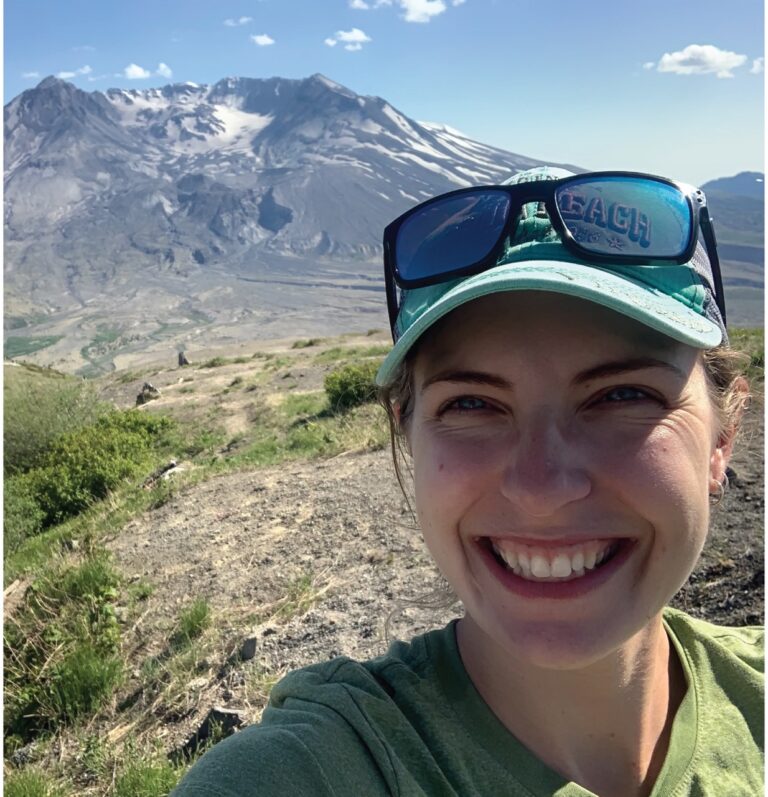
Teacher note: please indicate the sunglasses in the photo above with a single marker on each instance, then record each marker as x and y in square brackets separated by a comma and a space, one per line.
[603, 218]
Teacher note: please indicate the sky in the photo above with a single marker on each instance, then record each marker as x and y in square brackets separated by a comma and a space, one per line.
[671, 87]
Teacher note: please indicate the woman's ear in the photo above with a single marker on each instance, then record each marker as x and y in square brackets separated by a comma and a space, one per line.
[721, 456]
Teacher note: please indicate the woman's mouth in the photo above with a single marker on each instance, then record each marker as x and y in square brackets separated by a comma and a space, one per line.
[552, 563]
[550, 570]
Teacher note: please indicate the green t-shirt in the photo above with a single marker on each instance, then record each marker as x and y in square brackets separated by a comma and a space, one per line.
[412, 723]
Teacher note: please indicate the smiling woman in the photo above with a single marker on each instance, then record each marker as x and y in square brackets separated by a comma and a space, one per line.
[569, 405]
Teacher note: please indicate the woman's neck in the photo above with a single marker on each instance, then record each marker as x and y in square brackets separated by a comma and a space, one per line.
[605, 726]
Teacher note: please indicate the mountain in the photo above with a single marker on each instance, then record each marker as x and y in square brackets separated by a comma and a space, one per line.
[190, 215]
[737, 207]
[187, 173]
[747, 184]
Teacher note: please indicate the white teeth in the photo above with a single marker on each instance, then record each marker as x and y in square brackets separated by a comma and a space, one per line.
[511, 559]
[561, 566]
[539, 563]
[540, 567]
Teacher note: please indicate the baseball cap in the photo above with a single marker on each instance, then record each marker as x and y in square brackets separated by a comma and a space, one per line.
[677, 301]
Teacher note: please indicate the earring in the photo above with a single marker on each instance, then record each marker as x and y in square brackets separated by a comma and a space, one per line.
[716, 498]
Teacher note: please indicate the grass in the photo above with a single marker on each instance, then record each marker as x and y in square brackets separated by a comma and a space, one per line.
[752, 343]
[147, 778]
[20, 347]
[341, 354]
[60, 648]
[31, 783]
[191, 623]
[302, 594]
[215, 362]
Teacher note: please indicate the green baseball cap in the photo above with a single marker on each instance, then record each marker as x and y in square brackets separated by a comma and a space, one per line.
[678, 302]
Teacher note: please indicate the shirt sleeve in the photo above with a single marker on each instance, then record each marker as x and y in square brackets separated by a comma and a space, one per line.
[310, 752]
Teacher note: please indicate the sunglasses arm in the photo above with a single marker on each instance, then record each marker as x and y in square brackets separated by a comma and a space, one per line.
[710, 241]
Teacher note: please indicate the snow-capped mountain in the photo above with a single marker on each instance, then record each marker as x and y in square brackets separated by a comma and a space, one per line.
[191, 172]
[251, 207]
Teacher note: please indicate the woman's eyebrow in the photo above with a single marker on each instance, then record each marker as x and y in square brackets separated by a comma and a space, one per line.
[472, 377]
[617, 367]
[600, 371]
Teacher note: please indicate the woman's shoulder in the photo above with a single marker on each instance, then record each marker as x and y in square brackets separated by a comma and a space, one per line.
[405, 665]
[744, 645]
[323, 726]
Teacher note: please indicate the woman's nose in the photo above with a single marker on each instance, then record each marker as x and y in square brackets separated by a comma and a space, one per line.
[545, 470]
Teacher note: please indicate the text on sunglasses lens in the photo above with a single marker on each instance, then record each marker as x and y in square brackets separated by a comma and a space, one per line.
[620, 215]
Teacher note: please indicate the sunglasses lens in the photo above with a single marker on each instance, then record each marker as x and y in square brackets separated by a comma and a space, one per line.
[626, 215]
[450, 234]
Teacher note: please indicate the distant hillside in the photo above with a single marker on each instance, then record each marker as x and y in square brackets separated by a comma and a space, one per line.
[749, 184]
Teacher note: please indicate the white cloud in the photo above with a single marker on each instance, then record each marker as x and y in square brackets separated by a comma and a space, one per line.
[164, 70]
[234, 23]
[355, 35]
[415, 10]
[30, 75]
[94, 78]
[758, 66]
[353, 39]
[649, 65]
[136, 72]
[700, 59]
[263, 40]
[83, 70]
[421, 10]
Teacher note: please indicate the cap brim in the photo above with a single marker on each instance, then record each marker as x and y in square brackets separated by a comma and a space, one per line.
[635, 300]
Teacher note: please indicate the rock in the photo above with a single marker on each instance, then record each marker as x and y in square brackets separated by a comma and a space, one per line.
[148, 393]
[248, 648]
[183, 359]
[163, 472]
[220, 721]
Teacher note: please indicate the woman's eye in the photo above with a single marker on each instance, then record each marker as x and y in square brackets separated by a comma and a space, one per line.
[466, 404]
[625, 393]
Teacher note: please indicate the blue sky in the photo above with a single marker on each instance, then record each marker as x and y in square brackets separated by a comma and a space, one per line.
[673, 87]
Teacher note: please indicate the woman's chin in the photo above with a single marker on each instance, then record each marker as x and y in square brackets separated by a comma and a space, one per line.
[551, 644]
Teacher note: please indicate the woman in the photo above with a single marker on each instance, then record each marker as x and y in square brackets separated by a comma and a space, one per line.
[562, 383]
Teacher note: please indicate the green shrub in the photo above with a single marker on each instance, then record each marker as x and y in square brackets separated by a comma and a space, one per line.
[83, 466]
[351, 385]
[22, 515]
[40, 406]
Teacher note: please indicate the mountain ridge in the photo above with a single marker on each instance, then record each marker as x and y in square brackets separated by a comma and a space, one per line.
[174, 213]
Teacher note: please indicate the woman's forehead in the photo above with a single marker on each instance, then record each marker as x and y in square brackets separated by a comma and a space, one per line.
[539, 324]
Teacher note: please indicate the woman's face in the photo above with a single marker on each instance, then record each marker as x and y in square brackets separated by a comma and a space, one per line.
[563, 456]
